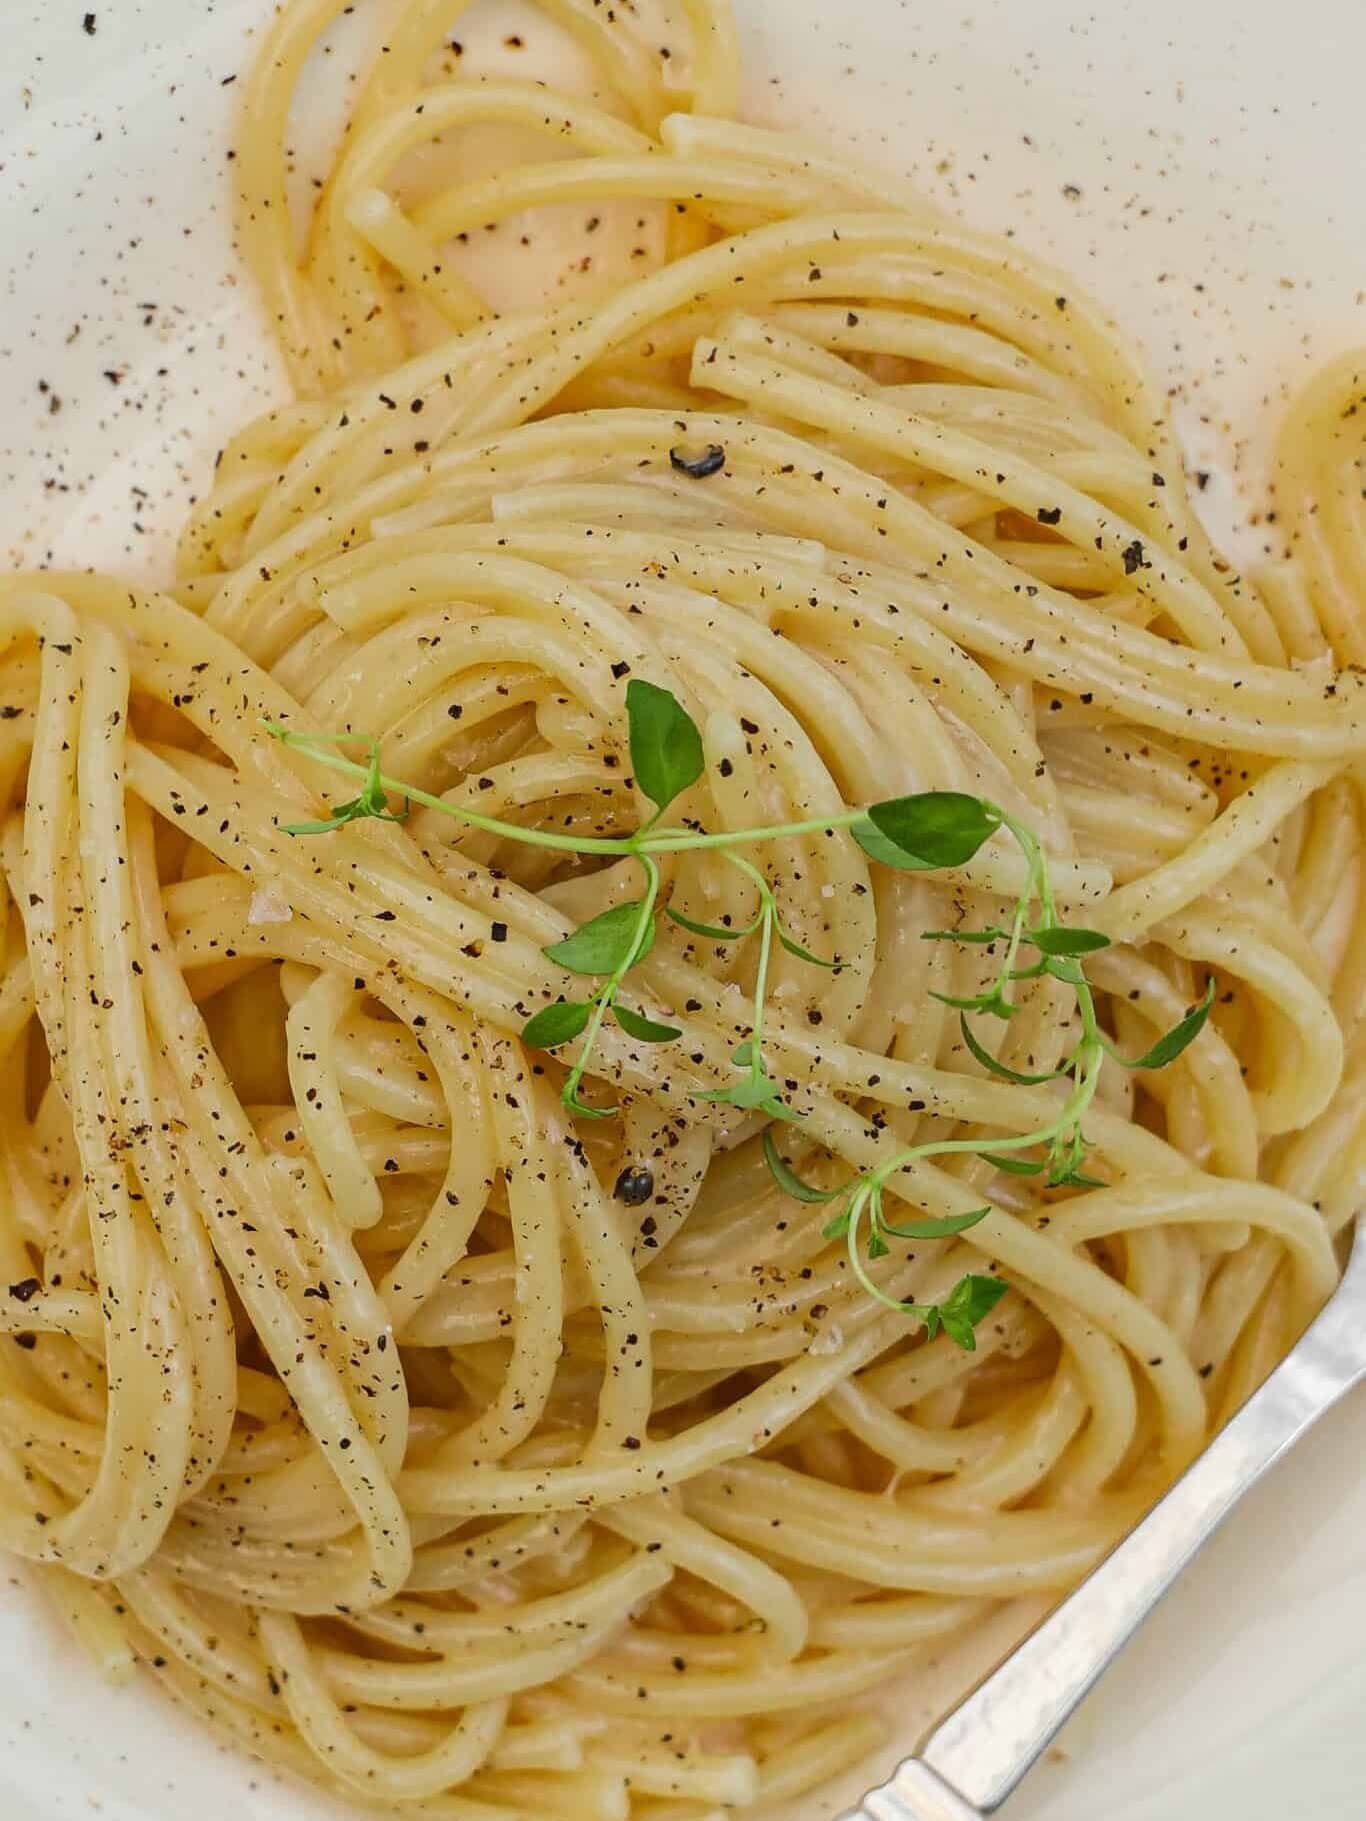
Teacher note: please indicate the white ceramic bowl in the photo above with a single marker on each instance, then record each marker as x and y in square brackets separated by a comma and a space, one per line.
[1218, 148]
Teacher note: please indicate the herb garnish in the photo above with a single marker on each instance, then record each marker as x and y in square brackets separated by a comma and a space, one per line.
[926, 832]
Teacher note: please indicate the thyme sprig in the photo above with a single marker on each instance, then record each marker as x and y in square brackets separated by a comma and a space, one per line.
[372, 804]
[1062, 1141]
[925, 832]
[922, 833]
[757, 1092]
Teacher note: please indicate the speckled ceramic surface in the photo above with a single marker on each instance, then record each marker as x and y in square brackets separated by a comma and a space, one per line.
[1195, 162]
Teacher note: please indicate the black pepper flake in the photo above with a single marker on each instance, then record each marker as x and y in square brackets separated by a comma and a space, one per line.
[1135, 557]
[699, 467]
[455, 711]
[1050, 515]
[635, 1185]
[621, 670]
[26, 1290]
[499, 932]
[88, 25]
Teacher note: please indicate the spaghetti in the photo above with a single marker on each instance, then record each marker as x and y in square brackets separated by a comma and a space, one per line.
[476, 1460]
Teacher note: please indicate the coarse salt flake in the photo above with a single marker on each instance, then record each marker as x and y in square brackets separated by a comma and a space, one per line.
[269, 905]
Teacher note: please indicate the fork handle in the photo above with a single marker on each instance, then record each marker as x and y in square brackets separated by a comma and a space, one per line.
[985, 1747]
[915, 1794]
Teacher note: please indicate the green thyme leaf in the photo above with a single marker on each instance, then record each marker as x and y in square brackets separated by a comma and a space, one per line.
[975, 1297]
[1066, 1153]
[557, 1024]
[1180, 1037]
[1075, 1179]
[877, 847]
[347, 813]
[1064, 968]
[367, 807]
[1068, 941]
[970, 1301]
[877, 1245]
[713, 932]
[743, 1055]
[777, 1110]
[927, 1313]
[960, 1331]
[666, 747]
[938, 1229]
[753, 1092]
[610, 942]
[984, 937]
[933, 829]
[839, 1226]
[803, 954]
[790, 1183]
[988, 1061]
[644, 1030]
[1013, 1166]
[994, 1003]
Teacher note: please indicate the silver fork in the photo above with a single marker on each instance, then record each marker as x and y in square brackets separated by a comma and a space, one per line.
[973, 1761]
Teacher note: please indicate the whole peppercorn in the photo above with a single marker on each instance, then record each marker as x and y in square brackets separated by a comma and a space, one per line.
[635, 1185]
